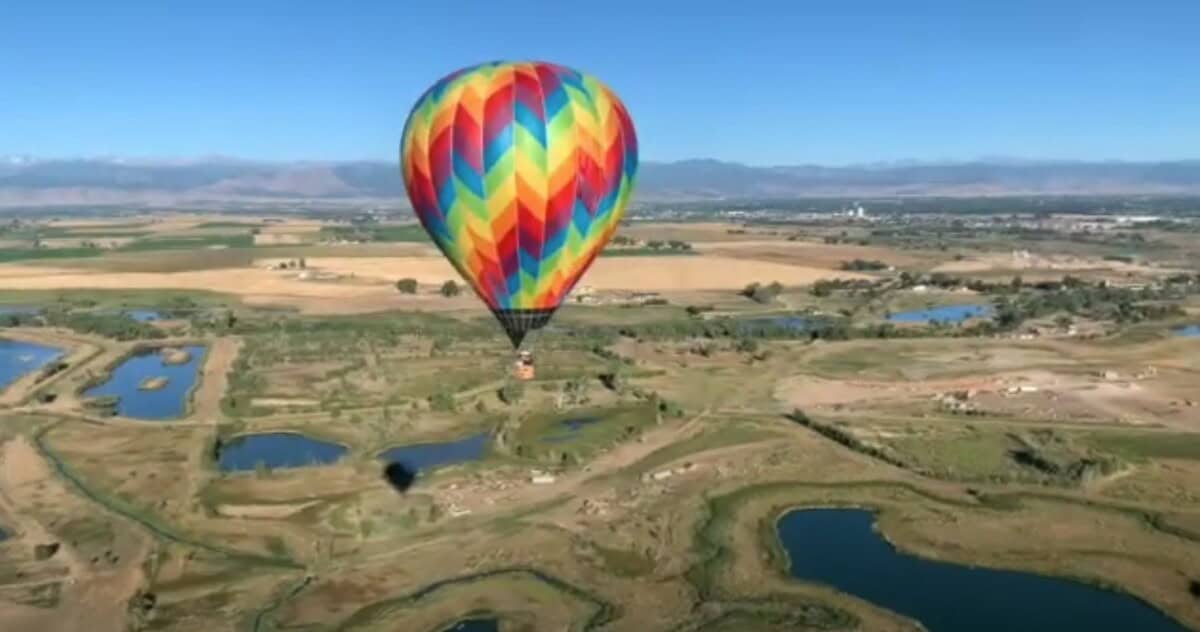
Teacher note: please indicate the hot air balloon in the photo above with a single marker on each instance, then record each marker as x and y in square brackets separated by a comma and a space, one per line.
[520, 172]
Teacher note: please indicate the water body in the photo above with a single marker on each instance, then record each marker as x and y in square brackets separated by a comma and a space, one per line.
[569, 428]
[20, 310]
[1191, 331]
[143, 315]
[787, 323]
[943, 314]
[838, 547]
[3, 534]
[19, 358]
[427, 456]
[276, 450]
[168, 402]
[475, 625]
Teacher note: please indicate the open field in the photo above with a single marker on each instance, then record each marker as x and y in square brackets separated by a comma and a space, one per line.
[633, 485]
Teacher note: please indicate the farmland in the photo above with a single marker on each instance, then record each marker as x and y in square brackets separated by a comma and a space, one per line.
[681, 405]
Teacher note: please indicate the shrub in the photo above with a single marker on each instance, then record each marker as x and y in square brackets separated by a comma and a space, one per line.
[450, 288]
[511, 393]
[407, 286]
[442, 401]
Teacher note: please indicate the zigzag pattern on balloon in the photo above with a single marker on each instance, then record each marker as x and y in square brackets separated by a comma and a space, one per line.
[520, 172]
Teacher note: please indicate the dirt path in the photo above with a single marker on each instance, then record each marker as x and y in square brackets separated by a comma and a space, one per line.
[91, 599]
[215, 379]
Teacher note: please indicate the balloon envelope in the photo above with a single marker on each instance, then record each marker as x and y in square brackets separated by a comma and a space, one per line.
[520, 172]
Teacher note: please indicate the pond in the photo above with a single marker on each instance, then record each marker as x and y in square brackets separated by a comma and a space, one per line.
[276, 450]
[427, 456]
[475, 625]
[839, 547]
[943, 314]
[143, 315]
[18, 358]
[19, 310]
[167, 402]
[791, 324]
[568, 428]
[1190, 331]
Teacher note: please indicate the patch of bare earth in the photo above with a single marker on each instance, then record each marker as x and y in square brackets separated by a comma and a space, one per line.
[93, 595]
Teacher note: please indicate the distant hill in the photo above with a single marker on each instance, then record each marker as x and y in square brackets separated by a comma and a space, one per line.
[30, 182]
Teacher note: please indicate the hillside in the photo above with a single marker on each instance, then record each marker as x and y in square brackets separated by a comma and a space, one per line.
[32, 183]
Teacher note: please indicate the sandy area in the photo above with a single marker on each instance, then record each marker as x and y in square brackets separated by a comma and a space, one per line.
[264, 511]
[293, 226]
[987, 263]
[370, 278]
[806, 253]
[278, 239]
[283, 402]
[608, 273]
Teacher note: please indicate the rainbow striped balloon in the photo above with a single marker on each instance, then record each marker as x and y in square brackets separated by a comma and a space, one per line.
[520, 173]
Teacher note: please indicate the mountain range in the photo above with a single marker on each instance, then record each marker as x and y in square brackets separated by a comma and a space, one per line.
[31, 182]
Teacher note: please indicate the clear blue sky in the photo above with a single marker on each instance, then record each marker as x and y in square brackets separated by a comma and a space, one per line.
[780, 82]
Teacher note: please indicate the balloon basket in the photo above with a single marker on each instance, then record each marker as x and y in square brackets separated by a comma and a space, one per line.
[523, 366]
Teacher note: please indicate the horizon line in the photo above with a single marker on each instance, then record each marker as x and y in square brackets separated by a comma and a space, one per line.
[134, 160]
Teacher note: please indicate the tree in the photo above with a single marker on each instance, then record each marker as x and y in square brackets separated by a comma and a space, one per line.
[449, 289]
[407, 286]
[1064, 322]
[303, 263]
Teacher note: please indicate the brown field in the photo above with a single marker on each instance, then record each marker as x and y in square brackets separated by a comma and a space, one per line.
[665, 273]
[814, 254]
[364, 283]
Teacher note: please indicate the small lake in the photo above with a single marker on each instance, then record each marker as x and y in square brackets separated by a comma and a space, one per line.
[568, 428]
[18, 358]
[3, 534]
[427, 456]
[943, 314]
[793, 324]
[276, 450]
[20, 310]
[475, 625]
[167, 402]
[1191, 331]
[143, 315]
[839, 548]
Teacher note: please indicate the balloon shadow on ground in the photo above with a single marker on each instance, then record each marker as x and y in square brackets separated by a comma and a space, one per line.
[399, 477]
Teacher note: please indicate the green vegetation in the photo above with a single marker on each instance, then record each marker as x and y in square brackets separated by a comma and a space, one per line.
[407, 286]
[622, 562]
[376, 233]
[544, 437]
[1147, 445]
[729, 432]
[189, 243]
[764, 294]
[450, 288]
[863, 265]
[27, 254]
[118, 326]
